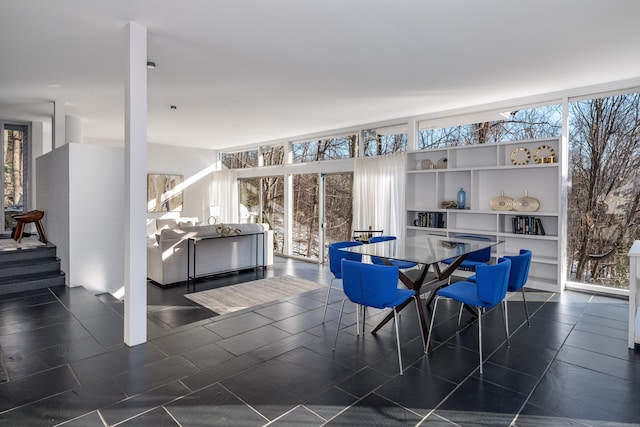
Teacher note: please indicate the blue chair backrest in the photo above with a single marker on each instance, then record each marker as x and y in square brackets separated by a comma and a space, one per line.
[381, 239]
[492, 281]
[375, 239]
[369, 284]
[336, 256]
[483, 255]
[519, 269]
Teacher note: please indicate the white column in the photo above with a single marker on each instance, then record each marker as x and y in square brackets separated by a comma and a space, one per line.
[58, 124]
[412, 135]
[634, 296]
[73, 129]
[135, 262]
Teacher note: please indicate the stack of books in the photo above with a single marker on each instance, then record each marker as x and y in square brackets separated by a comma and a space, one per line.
[527, 225]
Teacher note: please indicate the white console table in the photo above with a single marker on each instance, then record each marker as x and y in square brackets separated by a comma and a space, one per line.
[634, 296]
[192, 242]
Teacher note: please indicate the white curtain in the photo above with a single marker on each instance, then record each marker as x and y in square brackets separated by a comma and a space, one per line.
[378, 194]
[224, 194]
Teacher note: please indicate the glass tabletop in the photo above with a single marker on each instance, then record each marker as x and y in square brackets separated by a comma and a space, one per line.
[423, 249]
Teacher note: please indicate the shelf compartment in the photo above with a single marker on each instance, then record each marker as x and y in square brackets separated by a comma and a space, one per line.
[451, 182]
[471, 221]
[421, 192]
[549, 224]
[415, 158]
[492, 183]
[473, 156]
[536, 244]
[531, 145]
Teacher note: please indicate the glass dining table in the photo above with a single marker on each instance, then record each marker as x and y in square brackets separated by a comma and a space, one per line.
[426, 251]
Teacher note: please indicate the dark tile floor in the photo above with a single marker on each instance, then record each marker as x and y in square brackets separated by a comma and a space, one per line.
[64, 363]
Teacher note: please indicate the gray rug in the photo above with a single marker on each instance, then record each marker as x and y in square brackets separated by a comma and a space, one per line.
[250, 294]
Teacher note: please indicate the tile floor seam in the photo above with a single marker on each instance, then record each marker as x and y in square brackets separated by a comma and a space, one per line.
[395, 403]
[470, 375]
[246, 403]
[302, 405]
[546, 370]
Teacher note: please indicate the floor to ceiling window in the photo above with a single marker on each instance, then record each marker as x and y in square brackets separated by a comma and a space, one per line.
[273, 209]
[310, 201]
[14, 189]
[604, 196]
[306, 209]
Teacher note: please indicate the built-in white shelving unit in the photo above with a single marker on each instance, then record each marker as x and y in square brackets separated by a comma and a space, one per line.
[485, 172]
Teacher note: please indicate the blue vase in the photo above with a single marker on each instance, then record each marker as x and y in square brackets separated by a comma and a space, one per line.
[462, 199]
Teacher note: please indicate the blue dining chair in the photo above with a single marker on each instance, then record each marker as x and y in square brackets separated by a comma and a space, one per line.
[372, 285]
[402, 265]
[518, 277]
[520, 265]
[335, 264]
[481, 257]
[488, 291]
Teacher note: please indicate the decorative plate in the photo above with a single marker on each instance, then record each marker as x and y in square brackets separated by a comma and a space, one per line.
[526, 203]
[520, 156]
[544, 154]
[426, 164]
[501, 203]
[442, 163]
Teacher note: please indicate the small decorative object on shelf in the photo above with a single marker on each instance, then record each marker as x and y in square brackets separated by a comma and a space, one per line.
[526, 203]
[520, 156]
[527, 225]
[448, 204]
[544, 154]
[501, 203]
[442, 163]
[461, 199]
[427, 164]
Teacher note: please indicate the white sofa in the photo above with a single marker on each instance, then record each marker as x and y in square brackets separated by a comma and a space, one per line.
[218, 253]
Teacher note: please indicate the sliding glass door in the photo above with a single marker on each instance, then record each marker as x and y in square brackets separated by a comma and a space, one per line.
[262, 200]
[322, 213]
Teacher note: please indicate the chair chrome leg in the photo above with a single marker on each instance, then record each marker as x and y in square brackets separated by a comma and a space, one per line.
[459, 316]
[526, 310]
[433, 316]
[339, 320]
[395, 317]
[326, 303]
[480, 336]
[357, 320]
[417, 301]
[364, 315]
[505, 316]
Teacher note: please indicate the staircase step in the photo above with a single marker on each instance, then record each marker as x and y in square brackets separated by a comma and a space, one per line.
[32, 281]
[29, 266]
[13, 255]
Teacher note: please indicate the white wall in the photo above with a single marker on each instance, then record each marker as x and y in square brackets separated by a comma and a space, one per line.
[196, 165]
[52, 196]
[80, 188]
[96, 217]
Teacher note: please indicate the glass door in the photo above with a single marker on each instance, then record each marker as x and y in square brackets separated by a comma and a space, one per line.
[338, 212]
[14, 155]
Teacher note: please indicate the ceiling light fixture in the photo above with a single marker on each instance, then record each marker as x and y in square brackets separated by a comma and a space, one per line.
[151, 65]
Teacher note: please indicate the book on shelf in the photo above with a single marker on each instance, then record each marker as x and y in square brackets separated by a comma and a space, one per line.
[527, 225]
[430, 219]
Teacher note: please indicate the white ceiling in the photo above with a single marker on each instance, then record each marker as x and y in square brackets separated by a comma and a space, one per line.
[248, 71]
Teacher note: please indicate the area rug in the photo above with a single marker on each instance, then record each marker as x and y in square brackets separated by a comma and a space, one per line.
[249, 294]
[7, 244]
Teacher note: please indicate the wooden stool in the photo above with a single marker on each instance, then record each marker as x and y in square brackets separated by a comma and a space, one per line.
[26, 218]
